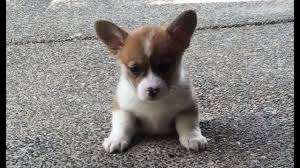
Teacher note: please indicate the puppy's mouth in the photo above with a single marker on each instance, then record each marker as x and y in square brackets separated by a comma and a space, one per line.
[153, 99]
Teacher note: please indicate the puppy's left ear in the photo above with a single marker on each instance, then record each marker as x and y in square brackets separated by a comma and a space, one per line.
[183, 27]
[113, 36]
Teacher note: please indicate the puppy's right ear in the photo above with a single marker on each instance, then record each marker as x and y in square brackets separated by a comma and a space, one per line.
[183, 27]
[113, 36]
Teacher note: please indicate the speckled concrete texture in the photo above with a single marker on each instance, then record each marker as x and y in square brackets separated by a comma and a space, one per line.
[59, 93]
[58, 103]
[33, 20]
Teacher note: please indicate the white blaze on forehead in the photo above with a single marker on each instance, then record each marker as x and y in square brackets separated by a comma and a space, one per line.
[148, 44]
[152, 80]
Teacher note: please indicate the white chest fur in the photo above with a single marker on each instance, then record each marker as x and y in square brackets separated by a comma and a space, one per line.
[155, 116]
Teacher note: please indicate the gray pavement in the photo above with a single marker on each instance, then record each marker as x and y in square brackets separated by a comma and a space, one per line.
[58, 20]
[59, 88]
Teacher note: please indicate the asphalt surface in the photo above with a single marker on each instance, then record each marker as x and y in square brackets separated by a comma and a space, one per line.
[59, 20]
[59, 89]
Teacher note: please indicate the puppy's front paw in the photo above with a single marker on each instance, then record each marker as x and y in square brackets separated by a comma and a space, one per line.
[194, 142]
[113, 144]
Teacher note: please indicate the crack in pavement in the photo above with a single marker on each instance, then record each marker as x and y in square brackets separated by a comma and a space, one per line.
[248, 24]
[289, 20]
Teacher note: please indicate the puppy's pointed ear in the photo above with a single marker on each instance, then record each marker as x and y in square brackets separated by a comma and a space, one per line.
[183, 27]
[113, 36]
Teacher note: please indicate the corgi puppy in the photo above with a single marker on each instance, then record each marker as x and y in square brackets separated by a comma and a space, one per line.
[154, 94]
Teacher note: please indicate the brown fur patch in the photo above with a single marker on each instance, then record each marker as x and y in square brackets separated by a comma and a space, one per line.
[115, 106]
[166, 54]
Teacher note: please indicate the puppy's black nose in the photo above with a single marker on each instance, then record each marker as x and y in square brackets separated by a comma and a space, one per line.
[152, 92]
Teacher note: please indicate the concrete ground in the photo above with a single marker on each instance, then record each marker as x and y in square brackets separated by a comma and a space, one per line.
[60, 82]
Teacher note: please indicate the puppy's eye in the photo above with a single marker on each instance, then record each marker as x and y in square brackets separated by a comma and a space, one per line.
[164, 67]
[135, 69]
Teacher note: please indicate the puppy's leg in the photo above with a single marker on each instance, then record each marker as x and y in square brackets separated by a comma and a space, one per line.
[123, 129]
[187, 126]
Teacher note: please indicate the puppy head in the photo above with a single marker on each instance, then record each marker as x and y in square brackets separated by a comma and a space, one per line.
[150, 56]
